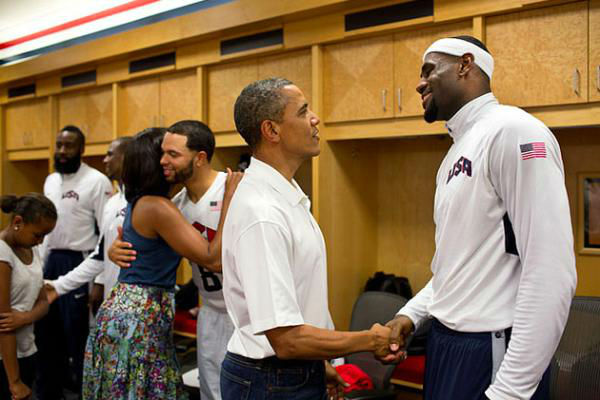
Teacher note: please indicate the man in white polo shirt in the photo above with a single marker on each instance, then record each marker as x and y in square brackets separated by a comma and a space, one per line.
[79, 193]
[274, 261]
[504, 268]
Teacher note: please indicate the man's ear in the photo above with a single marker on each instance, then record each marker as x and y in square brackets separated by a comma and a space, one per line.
[201, 158]
[18, 221]
[270, 131]
[467, 62]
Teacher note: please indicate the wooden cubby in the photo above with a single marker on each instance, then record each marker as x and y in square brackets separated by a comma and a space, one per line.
[91, 110]
[20, 177]
[377, 212]
[580, 148]
[95, 162]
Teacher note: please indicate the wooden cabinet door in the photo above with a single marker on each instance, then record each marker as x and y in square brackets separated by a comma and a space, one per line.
[409, 47]
[28, 124]
[138, 106]
[90, 110]
[594, 42]
[358, 80]
[178, 97]
[225, 82]
[295, 66]
[540, 55]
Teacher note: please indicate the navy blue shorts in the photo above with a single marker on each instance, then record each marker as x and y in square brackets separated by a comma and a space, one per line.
[460, 365]
[61, 335]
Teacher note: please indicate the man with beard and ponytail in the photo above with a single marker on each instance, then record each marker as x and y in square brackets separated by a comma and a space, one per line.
[504, 268]
[79, 193]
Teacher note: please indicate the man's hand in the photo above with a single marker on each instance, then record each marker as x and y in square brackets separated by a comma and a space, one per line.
[335, 383]
[231, 183]
[96, 297]
[381, 336]
[51, 293]
[402, 327]
[19, 391]
[120, 252]
[11, 321]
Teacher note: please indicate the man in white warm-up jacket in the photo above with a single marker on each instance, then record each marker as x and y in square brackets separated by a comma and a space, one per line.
[504, 267]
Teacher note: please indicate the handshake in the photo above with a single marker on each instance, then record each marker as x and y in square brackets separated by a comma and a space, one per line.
[389, 341]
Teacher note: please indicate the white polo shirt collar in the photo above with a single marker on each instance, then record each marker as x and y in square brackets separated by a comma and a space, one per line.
[464, 118]
[290, 191]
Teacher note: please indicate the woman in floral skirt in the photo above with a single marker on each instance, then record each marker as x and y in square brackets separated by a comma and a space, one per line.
[130, 354]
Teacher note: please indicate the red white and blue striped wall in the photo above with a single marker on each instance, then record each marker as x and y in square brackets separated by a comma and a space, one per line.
[41, 30]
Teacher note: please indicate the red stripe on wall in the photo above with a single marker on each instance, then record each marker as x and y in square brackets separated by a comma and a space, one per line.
[80, 21]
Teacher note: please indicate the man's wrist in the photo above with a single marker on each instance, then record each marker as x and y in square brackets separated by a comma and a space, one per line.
[14, 381]
[413, 325]
[57, 286]
[28, 318]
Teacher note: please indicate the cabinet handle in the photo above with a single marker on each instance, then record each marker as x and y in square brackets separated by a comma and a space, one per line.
[384, 99]
[399, 99]
[162, 120]
[598, 78]
[576, 81]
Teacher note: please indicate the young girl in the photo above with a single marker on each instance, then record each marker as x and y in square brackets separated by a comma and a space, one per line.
[130, 354]
[22, 295]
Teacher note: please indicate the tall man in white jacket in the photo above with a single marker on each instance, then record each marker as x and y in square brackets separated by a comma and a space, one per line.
[504, 267]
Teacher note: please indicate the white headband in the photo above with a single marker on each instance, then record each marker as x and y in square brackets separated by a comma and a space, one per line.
[459, 47]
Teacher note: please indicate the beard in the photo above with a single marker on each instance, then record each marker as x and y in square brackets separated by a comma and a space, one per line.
[431, 112]
[69, 167]
[183, 175]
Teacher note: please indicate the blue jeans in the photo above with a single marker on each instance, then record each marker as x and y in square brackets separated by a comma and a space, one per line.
[243, 378]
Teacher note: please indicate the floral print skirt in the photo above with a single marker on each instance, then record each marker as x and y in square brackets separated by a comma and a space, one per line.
[130, 354]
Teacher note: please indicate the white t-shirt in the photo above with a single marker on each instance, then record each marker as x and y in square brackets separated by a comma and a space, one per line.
[504, 244]
[274, 261]
[79, 199]
[26, 282]
[204, 215]
[97, 264]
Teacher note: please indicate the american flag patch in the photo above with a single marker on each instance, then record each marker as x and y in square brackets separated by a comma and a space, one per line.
[216, 205]
[533, 150]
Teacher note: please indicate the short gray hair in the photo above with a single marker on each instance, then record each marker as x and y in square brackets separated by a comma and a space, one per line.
[259, 101]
